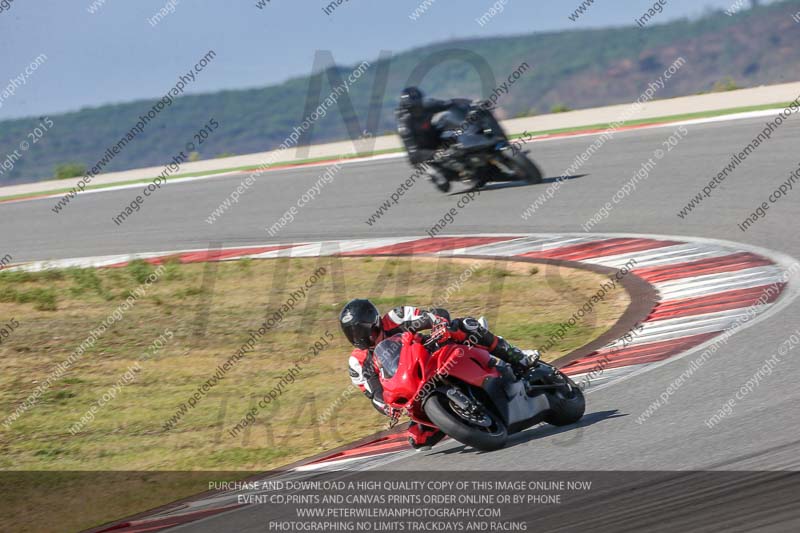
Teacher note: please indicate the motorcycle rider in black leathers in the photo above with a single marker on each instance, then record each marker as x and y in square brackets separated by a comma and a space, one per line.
[365, 327]
[421, 138]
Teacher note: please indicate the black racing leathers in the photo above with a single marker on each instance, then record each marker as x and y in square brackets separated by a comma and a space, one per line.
[420, 137]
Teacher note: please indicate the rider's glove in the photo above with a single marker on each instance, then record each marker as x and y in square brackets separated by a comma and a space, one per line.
[440, 330]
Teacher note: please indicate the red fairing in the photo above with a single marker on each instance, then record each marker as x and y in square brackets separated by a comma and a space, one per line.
[403, 386]
[469, 364]
[417, 369]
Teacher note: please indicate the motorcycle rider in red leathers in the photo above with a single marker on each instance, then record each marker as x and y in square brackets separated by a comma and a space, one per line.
[364, 327]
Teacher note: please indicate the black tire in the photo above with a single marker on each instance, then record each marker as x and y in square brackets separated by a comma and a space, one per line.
[438, 410]
[566, 405]
[476, 183]
[525, 169]
[443, 186]
[439, 178]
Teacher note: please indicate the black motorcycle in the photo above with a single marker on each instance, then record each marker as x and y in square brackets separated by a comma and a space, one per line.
[476, 150]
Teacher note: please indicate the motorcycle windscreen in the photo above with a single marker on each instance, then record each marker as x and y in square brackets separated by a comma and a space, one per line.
[387, 353]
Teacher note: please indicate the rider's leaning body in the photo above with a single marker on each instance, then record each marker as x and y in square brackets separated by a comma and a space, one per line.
[365, 327]
[414, 116]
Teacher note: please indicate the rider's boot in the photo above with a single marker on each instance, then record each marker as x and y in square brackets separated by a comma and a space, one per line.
[520, 360]
[475, 332]
[423, 438]
[506, 371]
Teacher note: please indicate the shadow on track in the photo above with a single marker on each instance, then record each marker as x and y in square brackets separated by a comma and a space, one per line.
[496, 186]
[542, 431]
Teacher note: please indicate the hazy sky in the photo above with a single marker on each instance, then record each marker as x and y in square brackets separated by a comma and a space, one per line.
[115, 55]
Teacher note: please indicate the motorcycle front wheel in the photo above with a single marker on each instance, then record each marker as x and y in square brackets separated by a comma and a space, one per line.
[525, 169]
[447, 417]
[439, 178]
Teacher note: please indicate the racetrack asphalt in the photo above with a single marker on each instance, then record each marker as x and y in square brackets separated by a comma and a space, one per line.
[761, 433]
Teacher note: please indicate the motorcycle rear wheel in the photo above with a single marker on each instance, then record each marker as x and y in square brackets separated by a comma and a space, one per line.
[441, 413]
[567, 405]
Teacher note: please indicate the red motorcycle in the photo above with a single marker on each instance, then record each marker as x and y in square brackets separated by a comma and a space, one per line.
[469, 394]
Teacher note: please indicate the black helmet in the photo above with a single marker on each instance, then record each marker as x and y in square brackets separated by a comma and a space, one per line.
[361, 323]
[410, 97]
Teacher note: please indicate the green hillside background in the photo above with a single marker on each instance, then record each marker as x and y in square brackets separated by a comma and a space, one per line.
[572, 69]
